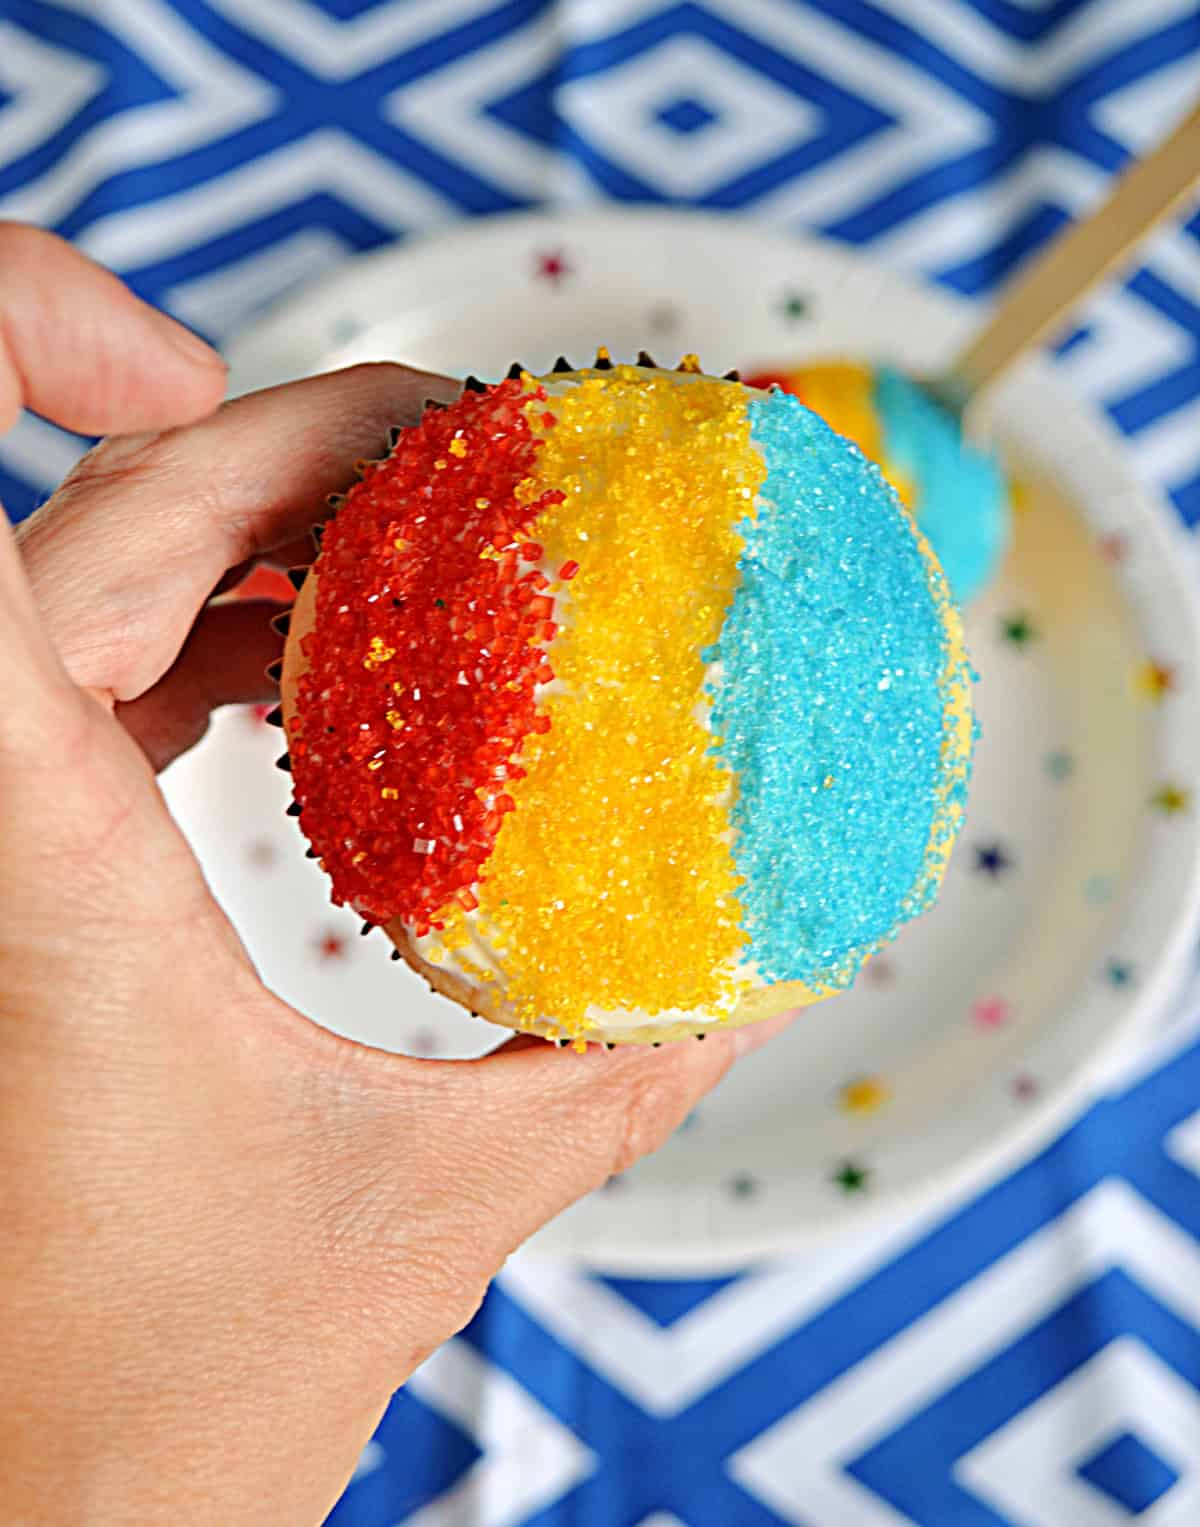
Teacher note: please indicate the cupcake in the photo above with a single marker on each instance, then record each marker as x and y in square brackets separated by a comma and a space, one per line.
[628, 702]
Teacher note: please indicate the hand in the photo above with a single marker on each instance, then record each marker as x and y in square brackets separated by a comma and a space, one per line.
[228, 1235]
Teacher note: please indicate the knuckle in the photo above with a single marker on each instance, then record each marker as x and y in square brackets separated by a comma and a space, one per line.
[176, 472]
[122, 461]
[663, 1089]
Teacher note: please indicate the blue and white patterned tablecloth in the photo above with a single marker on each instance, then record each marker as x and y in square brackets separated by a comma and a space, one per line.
[1033, 1357]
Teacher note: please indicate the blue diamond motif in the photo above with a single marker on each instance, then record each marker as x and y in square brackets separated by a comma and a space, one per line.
[1128, 1472]
[435, 1453]
[686, 116]
[667, 1302]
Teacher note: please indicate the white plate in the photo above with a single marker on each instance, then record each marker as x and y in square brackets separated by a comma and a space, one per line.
[1071, 904]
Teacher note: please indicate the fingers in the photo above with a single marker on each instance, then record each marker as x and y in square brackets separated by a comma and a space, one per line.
[426, 1175]
[141, 532]
[548, 1126]
[222, 663]
[77, 346]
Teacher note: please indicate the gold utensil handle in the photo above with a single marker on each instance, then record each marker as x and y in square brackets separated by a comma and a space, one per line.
[1039, 298]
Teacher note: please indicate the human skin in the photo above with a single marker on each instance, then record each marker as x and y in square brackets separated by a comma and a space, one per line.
[227, 1235]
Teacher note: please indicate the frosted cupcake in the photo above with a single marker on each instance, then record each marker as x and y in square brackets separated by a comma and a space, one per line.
[629, 702]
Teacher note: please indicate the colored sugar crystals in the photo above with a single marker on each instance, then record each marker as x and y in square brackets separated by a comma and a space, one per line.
[629, 695]
[834, 637]
[425, 662]
[623, 806]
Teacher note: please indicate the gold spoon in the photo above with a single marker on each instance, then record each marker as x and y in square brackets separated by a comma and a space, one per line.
[1042, 296]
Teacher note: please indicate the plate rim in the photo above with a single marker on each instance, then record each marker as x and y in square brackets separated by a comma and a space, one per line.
[1174, 556]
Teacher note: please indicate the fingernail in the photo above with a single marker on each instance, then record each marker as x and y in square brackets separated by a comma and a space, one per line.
[196, 351]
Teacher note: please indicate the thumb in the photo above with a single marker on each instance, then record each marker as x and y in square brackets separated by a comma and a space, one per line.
[550, 1125]
[428, 1174]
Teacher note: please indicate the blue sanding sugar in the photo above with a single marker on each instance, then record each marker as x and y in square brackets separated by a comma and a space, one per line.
[962, 497]
[829, 708]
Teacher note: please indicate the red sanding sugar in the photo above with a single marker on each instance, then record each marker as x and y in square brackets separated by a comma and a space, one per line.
[429, 641]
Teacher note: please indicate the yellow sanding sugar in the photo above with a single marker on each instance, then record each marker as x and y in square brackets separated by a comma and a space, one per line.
[624, 808]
